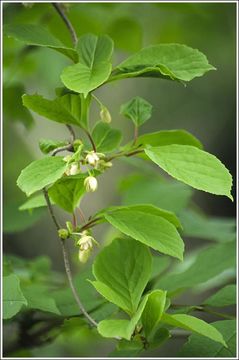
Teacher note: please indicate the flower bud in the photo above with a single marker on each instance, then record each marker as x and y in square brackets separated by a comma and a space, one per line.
[105, 115]
[84, 255]
[91, 184]
[92, 158]
[63, 234]
[74, 169]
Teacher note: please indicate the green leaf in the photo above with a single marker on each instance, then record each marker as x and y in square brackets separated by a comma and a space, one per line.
[94, 66]
[153, 312]
[123, 282]
[105, 310]
[13, 298]
[209, 262]
[161, 335]
[224, 297]
[105, 138]
[41, 173]
[34, 202]
[150, 209]
[197, 225]
[68, 191]
[37, 35]
[149, 225]
[194, 324]
[138, 110]
[125, 348]
[121, 328]
[194, 167]
[170, 61]
[38, 297]
[199, 346]
[170, 195]
[93, 49]
[48, 145]
[169, 137]
[65, 109]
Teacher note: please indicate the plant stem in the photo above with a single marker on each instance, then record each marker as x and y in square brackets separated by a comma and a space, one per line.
[127, 154]
[74, 220]
[73, 136]
[51, 209]
[67, 263]
[90, 224]
[204, 309]
[68, 147]
[216, 313]
[69, 275]
[136, 133]
[82, 216]
[91, 140]
[62, 14]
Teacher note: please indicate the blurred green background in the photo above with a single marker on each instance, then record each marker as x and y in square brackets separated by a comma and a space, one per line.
[206, 107]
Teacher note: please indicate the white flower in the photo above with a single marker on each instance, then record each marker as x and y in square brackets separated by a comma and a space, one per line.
[91, 184]
[92, 158]
[84, 255]
[86, 243]
[74, 169]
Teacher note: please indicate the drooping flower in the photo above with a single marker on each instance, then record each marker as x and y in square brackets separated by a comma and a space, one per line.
[92, 158]
[85, 243]
[74, 169]
[91, 184]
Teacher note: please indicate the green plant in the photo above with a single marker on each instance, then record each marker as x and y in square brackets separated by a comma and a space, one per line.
[123, 269]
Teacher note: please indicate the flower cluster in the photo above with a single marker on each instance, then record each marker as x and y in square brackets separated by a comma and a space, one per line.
[92, 158]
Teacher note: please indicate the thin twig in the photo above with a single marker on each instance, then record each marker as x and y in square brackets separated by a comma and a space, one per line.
[216, 313]
[82, 216]
[67, 263]
[91, 140]
[73, 136]
[51, 209]
[203, 308]
[66, 21]
[134, 153]
[90, 224]
[121, 154]
[68, 272]
[68, 147]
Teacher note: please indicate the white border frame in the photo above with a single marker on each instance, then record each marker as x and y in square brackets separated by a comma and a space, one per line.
[237, 147]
